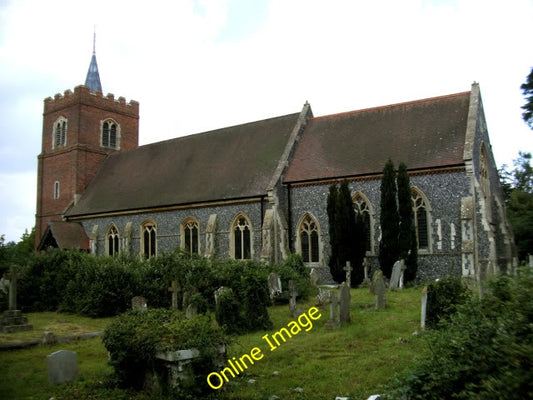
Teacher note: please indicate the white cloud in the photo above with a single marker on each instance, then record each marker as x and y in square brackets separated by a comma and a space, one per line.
[191, 71]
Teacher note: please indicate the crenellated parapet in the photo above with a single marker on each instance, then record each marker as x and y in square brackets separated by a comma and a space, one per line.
[82, 95]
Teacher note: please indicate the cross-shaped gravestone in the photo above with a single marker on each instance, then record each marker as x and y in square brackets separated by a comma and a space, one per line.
[293, 310]
[174, 289]
[348, 270]
[334, 318]
[13, 276]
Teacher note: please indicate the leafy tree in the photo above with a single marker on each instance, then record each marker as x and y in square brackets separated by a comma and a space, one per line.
[407, 236]
[527, 89]
[389, 220]
[518, 190]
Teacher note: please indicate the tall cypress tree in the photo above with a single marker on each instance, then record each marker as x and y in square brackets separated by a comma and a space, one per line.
[389, 220]
[347, 243]
[407, 235]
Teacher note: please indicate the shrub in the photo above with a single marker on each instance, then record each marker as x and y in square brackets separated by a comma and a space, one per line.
[443, 297]
[228, 313]
[293, 268]
[483, 351]
[136, 336]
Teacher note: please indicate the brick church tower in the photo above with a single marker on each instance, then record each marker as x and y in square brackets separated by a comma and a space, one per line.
[80, 129]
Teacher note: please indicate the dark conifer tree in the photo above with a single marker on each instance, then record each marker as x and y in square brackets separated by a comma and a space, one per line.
[407, 236]
[331, 209]
[389, 220]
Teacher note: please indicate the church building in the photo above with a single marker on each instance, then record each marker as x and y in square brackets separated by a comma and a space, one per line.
[259, 190]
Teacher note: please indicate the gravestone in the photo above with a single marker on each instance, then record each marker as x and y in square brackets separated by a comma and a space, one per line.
[344, 298]
[192, 311]
[174, 288]
[333, 322]
[13, 320]
[138, 303]
[219, 292]
[314, 276]
[62, 366]
[366, 268]
[423, 307]
[293, 309]
[322, 298]
[274, 285]
[397, 270]
[348, 269]
[379, 289]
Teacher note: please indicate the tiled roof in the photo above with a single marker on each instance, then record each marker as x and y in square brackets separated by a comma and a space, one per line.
[225, 164]
[424, 134]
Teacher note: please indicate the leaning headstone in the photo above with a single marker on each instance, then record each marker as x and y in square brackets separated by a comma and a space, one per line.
[13, 320]
[344, 299]
[423, 307]
[274, 285]
[333, 322]
[138, 303]
[397, 270]
[379, 289]
[62, 366]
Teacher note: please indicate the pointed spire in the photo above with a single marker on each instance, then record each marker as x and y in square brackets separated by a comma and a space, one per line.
[92, 81]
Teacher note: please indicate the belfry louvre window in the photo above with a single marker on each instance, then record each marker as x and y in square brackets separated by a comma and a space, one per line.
[421, 219]
[56, 190]
[309, 240]
[110, 134]
[149, 240]
[60, 133]
[242, 238]
[191, 237]
[113, 246]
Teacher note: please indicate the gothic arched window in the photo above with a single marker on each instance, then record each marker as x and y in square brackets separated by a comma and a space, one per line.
[242, 238]
[420, 213]
[149, 240]
[113, 241]
[190, 235]
[60, 132]
[309, 242]
[110, 134]
[362, 209]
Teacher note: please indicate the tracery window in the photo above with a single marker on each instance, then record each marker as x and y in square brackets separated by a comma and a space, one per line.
[309, 242]
[242, 239]
[190, 232]
[60, 133]
[110, 134]
[149, 240]
[420, 214]
[113, 241]
[362, 209]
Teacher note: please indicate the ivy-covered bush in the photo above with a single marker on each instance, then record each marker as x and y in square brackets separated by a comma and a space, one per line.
[293, 268]
[228, 313]
[443, 297]
[135, 337]
[483, 351]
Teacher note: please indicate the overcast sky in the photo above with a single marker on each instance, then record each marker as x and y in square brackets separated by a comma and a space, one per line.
[196, 65]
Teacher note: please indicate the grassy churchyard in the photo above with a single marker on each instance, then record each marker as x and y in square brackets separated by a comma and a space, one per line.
[314, 364]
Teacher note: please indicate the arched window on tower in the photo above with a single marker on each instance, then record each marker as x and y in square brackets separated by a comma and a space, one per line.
[362, 209]
[420, 214]
[190, 236]
[60, 132]
[242, 238]
[149, 240]
[309, 240]
[110, 134]
[113, 241]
